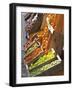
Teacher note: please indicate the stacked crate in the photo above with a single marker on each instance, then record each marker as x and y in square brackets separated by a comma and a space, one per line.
[39, 62]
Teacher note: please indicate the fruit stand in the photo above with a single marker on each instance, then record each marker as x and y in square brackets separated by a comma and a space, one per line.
[40, 57]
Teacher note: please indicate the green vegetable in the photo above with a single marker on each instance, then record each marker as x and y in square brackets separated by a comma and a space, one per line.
[43, 59]
[40, 70]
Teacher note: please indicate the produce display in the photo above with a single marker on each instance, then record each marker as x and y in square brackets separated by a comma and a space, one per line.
[33, 50]
[40, 50]
[44, 68]
[43, 59]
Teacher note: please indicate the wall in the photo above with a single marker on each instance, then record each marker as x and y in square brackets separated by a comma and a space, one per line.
[4, 44]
